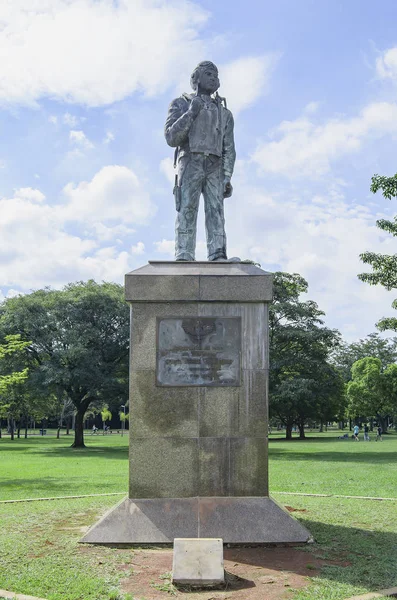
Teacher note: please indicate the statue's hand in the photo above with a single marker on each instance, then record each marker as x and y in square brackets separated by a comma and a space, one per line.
[196, 105]
[227, 188]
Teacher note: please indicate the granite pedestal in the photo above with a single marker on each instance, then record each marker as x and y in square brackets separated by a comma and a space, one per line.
[198, 409]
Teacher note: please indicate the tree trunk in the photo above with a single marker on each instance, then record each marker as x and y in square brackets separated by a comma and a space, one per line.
[79, 424]
[12, 428]
[321, 426]
[58, 432]
[26, 426]
[301, 426]
[19, 429]
[288, 431]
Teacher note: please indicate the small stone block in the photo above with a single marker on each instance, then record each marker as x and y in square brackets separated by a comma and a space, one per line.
[198, 561]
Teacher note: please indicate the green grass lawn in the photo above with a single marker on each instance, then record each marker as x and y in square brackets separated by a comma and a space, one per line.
[39, 467]
[40, 556]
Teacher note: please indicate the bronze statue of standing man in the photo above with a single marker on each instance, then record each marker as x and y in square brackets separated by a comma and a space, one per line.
[200, 127]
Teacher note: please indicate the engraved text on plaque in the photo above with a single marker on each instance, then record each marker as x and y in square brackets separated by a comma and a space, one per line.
[199, 351]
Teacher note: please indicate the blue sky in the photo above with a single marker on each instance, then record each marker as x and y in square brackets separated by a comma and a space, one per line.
[86, 175]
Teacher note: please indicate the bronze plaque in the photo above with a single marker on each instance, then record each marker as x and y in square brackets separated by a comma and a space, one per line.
[199, 351]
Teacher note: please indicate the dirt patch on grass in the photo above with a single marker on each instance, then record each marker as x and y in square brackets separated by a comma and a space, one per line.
[252, 574]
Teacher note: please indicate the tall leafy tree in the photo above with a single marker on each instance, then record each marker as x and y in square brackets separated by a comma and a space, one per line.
[384, 266]
[372, 392]
[79, 342]
[13, 376]
[373, 345]
[302, 382]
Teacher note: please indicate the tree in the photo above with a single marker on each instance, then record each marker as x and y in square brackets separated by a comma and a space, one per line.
[80, 338]
[106, 415]
[302, 383]
[384, 266]
[372, 392]
[12, 353]
[373, 345]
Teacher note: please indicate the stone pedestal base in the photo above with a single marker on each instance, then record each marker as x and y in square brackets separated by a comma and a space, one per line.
[198, 409]
[236, 520]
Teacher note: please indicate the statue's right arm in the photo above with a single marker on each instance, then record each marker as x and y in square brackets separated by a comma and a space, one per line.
[179, 121]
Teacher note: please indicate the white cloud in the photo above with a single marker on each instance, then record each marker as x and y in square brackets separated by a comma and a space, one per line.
[114, 194]
[69, 120]
[109, 137]
[139, 248]
[79, 138]
[165, 247]
[386, 65]
[304, 149]
[319, 237]
[244, 80]
[95, 52]
[29, 194]
[312, 107]
[53, 119]
[38, 249]
[105, 233]
[167, 168]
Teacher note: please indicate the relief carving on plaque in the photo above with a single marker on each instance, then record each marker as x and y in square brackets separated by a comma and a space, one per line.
[202, 351]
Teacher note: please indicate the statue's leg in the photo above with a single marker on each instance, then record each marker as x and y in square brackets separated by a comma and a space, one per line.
[186, 218]
[213, 206]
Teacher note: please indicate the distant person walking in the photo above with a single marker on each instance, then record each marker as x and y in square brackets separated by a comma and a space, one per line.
[379, 434]
[355, 433]
[366, 433]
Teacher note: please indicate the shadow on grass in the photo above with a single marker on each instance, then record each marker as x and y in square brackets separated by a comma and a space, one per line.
[46, 487]
[362, 457]
[349, 555]
[87, 452]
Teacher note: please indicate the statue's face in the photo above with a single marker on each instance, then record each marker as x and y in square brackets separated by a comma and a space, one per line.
[208, 80]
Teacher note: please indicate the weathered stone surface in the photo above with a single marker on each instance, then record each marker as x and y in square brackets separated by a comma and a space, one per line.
[248, 466]
[146, 521]
[155, 287]
[198, 455]
[163, 467]
[217, 407]
[214, 456]
[211, 281]
[235, 520]
[249, 520]
[254, 329]
[161, 412]
[250, 413]
[144, 329]
[234, 289]
[198, 561]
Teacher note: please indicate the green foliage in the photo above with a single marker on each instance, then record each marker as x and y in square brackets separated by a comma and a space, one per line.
[106, 415]
[372, 391]
[12, 349]
[303, 383]
[79, 345]
[384, 266]
[13, 376]
[373, 345]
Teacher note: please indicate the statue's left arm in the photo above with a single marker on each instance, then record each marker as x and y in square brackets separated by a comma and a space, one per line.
[229, 150]
[228, 154]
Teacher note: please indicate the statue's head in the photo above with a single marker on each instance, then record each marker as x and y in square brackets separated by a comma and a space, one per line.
[205, 77]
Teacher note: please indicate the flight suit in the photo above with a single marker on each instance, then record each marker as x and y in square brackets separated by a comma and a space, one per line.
[205, 155]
